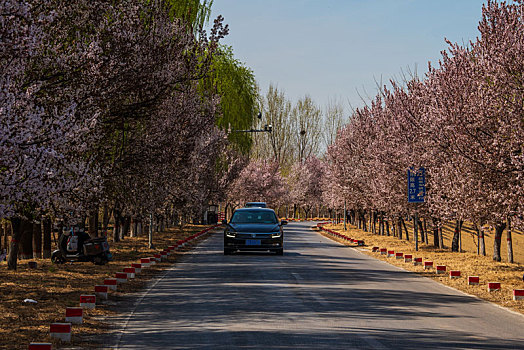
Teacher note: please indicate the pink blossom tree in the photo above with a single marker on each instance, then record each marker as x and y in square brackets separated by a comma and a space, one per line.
[305, 183]
[259, 181]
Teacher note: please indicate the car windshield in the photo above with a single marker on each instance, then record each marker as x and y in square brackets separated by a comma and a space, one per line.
[254, 217]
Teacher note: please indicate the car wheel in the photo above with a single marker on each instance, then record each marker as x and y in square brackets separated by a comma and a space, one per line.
[280, 251]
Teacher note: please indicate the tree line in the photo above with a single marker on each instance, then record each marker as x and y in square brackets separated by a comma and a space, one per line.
[115, 109]
[462, 122]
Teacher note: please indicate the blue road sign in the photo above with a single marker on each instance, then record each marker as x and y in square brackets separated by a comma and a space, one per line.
[416, 185]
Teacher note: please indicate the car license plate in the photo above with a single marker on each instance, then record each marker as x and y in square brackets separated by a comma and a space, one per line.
[252, 241]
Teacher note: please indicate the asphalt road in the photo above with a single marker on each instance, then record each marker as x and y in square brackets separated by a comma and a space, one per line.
[318, 295]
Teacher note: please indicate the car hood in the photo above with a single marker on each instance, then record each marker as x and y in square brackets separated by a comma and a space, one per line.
[255, 228]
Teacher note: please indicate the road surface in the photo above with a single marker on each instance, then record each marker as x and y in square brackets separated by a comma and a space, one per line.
[320, 294]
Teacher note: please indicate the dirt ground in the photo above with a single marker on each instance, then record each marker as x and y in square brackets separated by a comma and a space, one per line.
[56, 287]
[468, 262]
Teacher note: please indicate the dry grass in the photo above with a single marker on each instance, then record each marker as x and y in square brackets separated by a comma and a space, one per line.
[469, 240]
[56, 287]
[469, 263]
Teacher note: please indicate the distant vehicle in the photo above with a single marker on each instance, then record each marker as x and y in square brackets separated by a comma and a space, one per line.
[254, 229]
[255, 205]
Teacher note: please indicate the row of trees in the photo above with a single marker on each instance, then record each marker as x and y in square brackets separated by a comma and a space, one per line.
[114, 105]
[463, 123]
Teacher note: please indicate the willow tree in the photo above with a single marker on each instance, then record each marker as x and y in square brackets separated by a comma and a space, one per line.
[236, 86]
[194, 13]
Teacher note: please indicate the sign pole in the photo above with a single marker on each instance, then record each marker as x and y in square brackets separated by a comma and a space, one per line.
[416, 194]
[415, 230]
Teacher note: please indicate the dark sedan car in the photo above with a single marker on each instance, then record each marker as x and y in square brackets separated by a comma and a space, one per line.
[254, 229]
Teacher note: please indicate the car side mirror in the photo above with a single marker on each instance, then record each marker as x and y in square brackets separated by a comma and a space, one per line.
[283, 222]
[224, 222]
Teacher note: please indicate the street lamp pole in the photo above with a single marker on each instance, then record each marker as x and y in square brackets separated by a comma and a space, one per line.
[267, 127]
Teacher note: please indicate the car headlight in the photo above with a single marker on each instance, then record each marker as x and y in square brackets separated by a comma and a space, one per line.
[230, 234]
[276, 234]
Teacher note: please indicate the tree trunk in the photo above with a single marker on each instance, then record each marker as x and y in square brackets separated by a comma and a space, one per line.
[405, 228]
[37, 240]
[440, 238]
[499, 228]
[1, 236]
[482, 243]
[422, 231]
[116, 229]
[106, 216]
[456, 236]
[126, 224]
[393, 227]
[26, 244]
[46, 232]
[17, 226]
[399, 227]
[93, 223]
[510, 243]
[387, 228]
[150, 241]
[6, 233]
[426, 231]
[20, 228]
[436, 223]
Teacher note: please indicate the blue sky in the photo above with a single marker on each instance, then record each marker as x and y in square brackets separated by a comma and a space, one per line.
[338, 49]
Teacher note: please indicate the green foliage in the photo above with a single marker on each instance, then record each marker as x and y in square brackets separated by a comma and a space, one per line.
[195, 13]
[235, 84]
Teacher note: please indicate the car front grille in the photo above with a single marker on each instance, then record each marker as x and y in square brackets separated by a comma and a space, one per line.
[253, 235]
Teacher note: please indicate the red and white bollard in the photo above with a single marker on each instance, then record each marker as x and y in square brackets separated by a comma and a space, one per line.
[110, 283]
[146, 262]
[493, 286]
[88, 301]
[408, 258]
[121, 277]
[74, 315]
[518, 294]
[454, 274]
[473, 280]
[101, 291]
[399, 256]
[61, 331]
[441, 269]
[130, 272]
[417, 261]
[428, 265]
[137, 266]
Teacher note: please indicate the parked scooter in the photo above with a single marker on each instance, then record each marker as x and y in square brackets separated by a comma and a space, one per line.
[76, 245]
